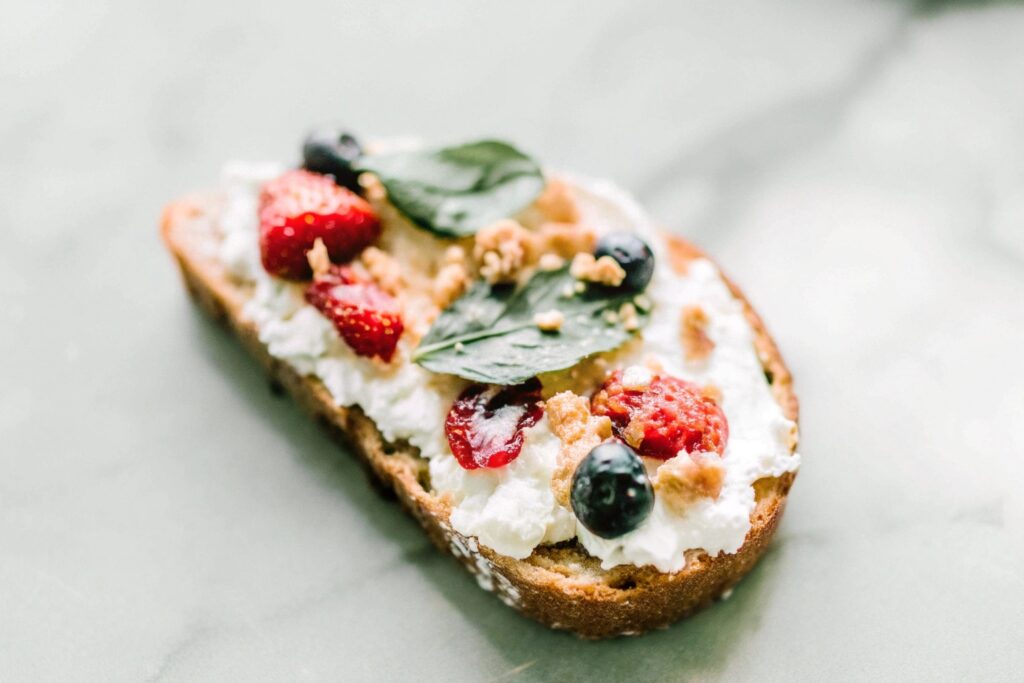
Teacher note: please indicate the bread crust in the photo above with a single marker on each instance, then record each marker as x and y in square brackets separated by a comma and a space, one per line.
[561, 585]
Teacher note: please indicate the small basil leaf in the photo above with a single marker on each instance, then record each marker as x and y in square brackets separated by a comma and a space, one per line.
[488, 334]
[456, 191]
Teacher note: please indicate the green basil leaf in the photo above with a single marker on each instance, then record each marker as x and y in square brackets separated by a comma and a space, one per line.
[488, 334]
[456, 191]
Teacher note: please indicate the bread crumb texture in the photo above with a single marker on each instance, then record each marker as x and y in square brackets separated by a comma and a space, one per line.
[549, 321]
[603, 271]
[629, 317]
[579, 431]
[557, 203]
[712, 392]
[385, 270]
[503, 249]
[686, 478]
[452, 278]
[550, 261]
[566, 239]
[697, 345]
[318, 258]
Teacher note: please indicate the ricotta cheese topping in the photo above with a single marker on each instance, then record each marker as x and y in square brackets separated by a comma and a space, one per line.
[512, 509]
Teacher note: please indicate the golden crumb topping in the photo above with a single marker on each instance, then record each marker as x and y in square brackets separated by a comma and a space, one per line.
[557, 203]
[384, 269]
[604, 270]
[503, 249]
[685, 479]
[454, 254]
[549, 321]
[318, 258]
[712, 392]
[452, 278]
[566, 239]
[629, 317]
[550, 261]
[451, 281]
[579, 431]
[697, 345]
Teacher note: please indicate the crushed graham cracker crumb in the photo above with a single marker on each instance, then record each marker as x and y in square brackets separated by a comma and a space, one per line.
[557, 203]
[452, 278]
[566, 239]
[318, 258]
[604, 270]
[384, 269]
[570, 417]
[455, 254]
[550, 261]
[629, 317]
[579, 431]
[697, 345]
[712, 392]
[549, 321]
[373, 188]
[449, 283]
[686, 478]
[633, 434]
[502, 250]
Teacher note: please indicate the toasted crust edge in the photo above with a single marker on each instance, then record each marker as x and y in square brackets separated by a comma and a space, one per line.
[560, 586]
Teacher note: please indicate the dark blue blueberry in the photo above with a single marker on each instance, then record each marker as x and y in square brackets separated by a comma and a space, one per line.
[630, 252]
[611, 494]
[332, 151]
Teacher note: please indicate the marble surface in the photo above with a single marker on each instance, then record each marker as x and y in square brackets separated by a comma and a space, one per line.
[858, 166]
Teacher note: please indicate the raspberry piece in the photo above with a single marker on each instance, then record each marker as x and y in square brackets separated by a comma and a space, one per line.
[299, 207]
[667, 417]
[369, 320]
[485, 424]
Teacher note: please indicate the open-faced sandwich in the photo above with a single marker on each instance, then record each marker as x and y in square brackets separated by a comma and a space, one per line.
[580, 407]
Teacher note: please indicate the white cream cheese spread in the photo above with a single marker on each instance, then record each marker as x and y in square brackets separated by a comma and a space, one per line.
[512, 509]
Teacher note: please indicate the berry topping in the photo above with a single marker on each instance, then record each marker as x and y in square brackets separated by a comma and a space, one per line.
[367, 319]
[668, 416]
[332, 151]
[611, 494]
[299, 207]
[633, 256]
[485, 424]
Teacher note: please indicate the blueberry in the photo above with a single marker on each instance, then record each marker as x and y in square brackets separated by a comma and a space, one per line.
[630, 252]
[332, 151]
[611, 494]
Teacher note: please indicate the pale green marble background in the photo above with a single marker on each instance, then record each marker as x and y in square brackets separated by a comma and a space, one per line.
[858, 166]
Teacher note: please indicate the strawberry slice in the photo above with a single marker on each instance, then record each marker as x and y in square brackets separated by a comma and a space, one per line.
[485, 424]
[299, 207]
[669, 416]
[369, 320]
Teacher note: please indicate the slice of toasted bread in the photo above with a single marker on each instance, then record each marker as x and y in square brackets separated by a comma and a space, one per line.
[560, 585]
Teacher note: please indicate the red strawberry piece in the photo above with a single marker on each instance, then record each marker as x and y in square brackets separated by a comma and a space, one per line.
[369, 320]
[299, 207]
[485, 424]
[669, 416]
